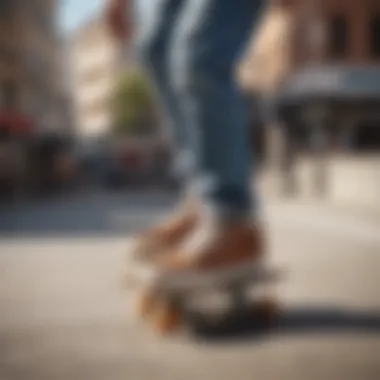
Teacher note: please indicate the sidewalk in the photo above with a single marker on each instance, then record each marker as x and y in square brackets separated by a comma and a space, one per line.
[335, 201]
[65, 317]
[350, 211]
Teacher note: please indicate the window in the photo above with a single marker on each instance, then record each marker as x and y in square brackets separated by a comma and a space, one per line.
[374, 25]
[42, 16]
[337, 36]
[367, 138]
[97, 108]
[6, 7]
[94, 75]
[8, 53]
[9, 95]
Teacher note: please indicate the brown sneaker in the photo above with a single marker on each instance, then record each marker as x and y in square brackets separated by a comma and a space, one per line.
[214, 253]
[167, 235]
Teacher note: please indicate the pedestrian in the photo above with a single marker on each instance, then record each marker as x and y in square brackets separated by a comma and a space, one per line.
[190, 48]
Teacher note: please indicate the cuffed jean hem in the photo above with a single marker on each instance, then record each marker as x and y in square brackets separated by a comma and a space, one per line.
[227, 205]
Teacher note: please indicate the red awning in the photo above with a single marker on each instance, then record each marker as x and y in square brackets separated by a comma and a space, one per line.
[15, 123]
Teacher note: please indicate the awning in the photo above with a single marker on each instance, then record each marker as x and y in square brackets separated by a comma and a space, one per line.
[15, 123]
[340, 83]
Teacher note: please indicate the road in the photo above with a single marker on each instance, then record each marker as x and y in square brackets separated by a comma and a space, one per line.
[64, 316]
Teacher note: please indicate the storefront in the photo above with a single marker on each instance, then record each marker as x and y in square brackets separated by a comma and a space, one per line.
[14, 125]
[15, 132]
[329, 111]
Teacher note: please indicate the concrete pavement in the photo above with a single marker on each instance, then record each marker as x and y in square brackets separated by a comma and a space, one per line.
[64, 316]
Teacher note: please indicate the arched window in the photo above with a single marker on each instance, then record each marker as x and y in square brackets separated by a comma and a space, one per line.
[337, 36]
[374, 33]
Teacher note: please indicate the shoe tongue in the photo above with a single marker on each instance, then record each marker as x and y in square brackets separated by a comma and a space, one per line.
[223, 220]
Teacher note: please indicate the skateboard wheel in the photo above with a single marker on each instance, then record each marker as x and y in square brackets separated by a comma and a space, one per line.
[145, 304]
[267, 311]
[166, 318]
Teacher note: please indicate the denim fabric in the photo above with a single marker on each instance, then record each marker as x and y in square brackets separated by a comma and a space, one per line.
[190, 48]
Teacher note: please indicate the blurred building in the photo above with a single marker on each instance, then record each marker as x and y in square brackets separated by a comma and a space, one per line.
[97, 61]
[297, 33]
[329, 48]
[31, 92]
[316, 65]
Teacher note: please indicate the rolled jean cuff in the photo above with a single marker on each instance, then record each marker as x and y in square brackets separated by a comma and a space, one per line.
[226, 213]
[225, 205]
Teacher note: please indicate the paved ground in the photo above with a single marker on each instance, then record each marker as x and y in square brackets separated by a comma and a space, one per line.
[64, 316]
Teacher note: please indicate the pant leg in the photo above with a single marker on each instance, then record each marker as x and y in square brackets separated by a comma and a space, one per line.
[209, 39]
[155, 23]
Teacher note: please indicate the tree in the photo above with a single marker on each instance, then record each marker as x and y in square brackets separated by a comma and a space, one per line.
[133, 105]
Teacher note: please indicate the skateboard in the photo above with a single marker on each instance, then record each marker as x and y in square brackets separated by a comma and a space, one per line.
[169, 305]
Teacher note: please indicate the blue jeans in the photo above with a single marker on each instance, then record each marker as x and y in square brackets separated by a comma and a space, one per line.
[190, 48]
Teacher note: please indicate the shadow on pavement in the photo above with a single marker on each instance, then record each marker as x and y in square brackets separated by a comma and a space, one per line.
[245, 326]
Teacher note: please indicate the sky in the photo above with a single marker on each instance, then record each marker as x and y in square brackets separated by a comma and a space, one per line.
[74, 12]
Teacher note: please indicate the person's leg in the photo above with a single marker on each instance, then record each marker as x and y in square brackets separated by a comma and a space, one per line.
[209, 40]
[155, 23]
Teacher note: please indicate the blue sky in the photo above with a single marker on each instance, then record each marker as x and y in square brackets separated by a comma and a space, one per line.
[74, 12]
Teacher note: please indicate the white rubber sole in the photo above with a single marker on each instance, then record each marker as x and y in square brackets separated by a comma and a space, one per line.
[143, 275]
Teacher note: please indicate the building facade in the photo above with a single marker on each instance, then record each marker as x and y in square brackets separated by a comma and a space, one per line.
[297, 33]
[336, 32]
[334, 44]
[30, 63]
[96, 63]
[320, 60]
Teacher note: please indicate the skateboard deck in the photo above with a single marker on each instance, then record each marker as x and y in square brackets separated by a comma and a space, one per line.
[170, 305]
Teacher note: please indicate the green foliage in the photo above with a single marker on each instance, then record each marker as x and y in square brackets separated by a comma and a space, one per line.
[133, 105]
